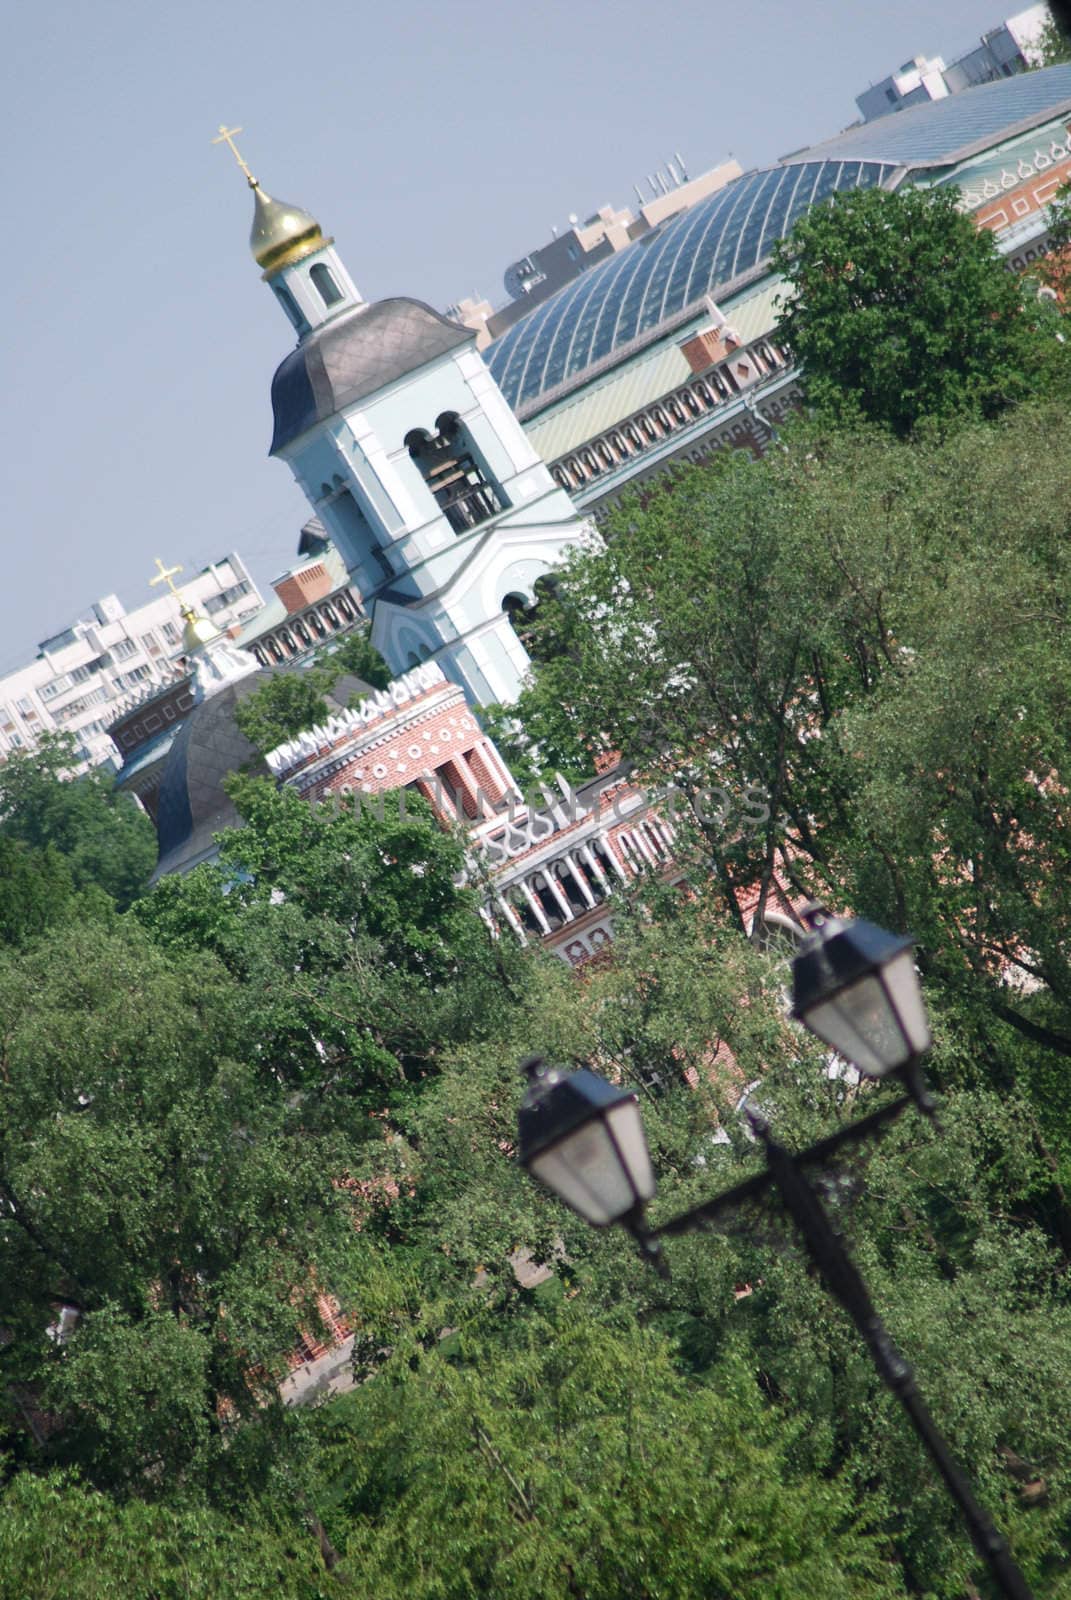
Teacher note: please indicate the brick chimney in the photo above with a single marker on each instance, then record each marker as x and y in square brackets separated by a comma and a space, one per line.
[302, 586]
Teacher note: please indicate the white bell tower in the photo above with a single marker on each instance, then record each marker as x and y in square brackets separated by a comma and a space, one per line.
[413, 460]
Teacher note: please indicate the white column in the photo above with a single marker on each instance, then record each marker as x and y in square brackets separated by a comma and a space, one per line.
[560, 895]
[512, 918]
[644, 845]
[489, 751]
[537, 910]
[581, 878]
[615, 863]
[590, 859]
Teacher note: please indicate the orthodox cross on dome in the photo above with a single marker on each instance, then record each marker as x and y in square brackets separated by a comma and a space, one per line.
[226, 136]
[166, 575]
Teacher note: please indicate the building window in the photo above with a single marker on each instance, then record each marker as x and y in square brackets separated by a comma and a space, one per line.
[291, 307]
[123, 649]
[464, 493]
[355, 533]
[326, 287]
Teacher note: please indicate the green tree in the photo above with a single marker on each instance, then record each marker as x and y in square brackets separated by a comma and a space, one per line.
[280, 708]
[175, 1197]
[899, 309]
[355, 654]
[60, 1540]
[287, 703]
[362, 956]
[1053, 271]
[851, 662]
[572, 1458]
[36, 890]
[107, 841]
[1053, 44]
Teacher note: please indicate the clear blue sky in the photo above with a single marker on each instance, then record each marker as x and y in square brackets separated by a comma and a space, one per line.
[436, 141]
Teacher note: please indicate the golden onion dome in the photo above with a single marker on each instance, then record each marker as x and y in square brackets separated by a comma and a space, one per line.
[198, 632]
[282, 234]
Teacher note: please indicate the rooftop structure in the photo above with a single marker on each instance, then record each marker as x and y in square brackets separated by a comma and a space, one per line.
[623, 370]
[85, 675]
[535, 277]
[1011, 47]
[314, 600]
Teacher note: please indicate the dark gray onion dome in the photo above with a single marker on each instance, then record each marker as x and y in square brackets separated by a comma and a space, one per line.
[192, 806]
[355, 356]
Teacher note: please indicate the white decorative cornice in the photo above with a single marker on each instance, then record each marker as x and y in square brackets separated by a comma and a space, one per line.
[353, 725]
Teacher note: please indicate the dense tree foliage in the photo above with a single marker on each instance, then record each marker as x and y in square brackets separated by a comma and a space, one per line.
[281, 707]
[899, 309]
[845, 669]
[169, 1193]
[287, 703]
[105, 839]
[869, 637]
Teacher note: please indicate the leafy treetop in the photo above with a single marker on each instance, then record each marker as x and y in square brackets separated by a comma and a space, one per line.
[899, 309]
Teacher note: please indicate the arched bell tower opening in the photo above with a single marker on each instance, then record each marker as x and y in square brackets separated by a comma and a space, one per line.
[459, 482]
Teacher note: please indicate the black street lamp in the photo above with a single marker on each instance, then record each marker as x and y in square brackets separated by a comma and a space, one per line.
[855, 987]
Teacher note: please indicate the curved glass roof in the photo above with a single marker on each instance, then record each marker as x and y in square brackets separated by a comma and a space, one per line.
[699, 252]
[938, 132]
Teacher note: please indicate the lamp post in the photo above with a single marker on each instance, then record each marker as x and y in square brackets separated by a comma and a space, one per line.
[855, 987]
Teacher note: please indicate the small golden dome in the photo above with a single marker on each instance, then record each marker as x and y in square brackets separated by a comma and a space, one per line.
[198, 632]
[282, 234]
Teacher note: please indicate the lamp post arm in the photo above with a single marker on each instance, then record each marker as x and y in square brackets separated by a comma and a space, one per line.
[843, 1279]
[815, 1155]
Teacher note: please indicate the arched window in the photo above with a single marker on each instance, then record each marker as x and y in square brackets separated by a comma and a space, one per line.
[325, 285]
[291, 307]
[357, 538]
[463, 491]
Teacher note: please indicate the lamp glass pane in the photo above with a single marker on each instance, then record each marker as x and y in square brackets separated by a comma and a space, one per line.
[585, 1170]
[902, 982]
[861, 1025]
[626, 1125]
